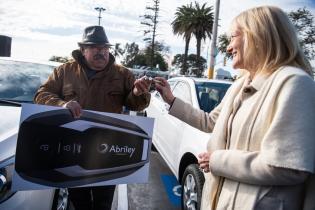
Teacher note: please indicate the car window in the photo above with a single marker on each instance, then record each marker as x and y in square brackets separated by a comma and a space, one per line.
[210, 94]
[20, 80]
[182, 91]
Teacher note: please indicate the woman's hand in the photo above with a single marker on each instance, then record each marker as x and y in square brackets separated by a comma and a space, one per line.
[164, 89]
[203, 161]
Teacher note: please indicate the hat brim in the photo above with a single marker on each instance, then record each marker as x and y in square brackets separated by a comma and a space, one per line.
[94, 43]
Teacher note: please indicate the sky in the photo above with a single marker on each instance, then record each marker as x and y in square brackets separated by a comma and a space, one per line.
[43, 28]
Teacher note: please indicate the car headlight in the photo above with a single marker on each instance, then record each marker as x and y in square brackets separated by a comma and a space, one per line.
[6, 174]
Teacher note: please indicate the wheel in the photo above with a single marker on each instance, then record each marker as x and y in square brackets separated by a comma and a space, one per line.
[192, 184]
[61, 201]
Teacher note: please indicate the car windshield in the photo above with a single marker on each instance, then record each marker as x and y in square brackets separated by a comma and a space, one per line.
[20, 80]
[210, 94]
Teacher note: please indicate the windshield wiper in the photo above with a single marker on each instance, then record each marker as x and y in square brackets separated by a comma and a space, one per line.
[10, 103]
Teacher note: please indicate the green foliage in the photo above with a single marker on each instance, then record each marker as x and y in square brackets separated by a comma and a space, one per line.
[160, 47]
[193, 20]
[223, 44]
[202, 18]
[144, 59]
[59, 59]
[303, 20]
[203, 23]
[159, 60]
[139, 60]
[192, 64]
[117, 51]
[150, 21]
[133, 56]
[182, 25]
[130, 52]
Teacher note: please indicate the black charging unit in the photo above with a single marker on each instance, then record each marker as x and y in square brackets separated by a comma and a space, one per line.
[57, 150]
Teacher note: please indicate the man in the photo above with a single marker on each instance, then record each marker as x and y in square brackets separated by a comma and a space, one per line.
[93, 81]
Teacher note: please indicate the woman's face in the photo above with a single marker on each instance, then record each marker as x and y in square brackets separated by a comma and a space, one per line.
[236, 48]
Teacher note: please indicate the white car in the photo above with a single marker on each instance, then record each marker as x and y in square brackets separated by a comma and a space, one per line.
[178, 143]
[19, 80]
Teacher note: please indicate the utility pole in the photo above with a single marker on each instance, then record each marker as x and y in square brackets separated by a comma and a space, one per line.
[100, 10]
[214, 40]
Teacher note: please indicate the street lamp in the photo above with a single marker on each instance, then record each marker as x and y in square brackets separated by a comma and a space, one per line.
[99, 9]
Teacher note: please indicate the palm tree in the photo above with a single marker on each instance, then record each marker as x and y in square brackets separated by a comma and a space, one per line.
[182, 25]
[223, 44]
[202, 19]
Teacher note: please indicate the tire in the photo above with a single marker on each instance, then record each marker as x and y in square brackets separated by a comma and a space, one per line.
[61, 199]
[192, 184]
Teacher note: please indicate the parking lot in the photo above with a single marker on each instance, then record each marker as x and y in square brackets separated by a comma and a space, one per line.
[161, 192]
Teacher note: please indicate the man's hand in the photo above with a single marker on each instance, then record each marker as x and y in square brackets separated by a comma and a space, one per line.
[74, 108]
[203, 161]
[141, 86]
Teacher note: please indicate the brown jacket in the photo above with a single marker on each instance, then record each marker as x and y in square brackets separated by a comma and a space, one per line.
[107, 91]
[275, 144]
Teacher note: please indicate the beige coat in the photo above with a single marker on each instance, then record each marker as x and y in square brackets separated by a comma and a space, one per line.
[274, 151]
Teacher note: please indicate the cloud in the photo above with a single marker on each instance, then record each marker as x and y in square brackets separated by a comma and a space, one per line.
[51, 24]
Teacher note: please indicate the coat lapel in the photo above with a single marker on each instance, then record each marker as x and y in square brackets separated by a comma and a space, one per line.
[219, 141]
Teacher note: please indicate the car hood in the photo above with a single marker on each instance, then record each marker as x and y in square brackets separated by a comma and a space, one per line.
[9, 125]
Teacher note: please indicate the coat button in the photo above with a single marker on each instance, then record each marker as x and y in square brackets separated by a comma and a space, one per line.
[247, 90]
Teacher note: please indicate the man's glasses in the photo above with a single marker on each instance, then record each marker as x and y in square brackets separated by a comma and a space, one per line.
[97, 47]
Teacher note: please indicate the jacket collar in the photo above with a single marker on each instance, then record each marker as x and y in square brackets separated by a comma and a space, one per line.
[259, 81]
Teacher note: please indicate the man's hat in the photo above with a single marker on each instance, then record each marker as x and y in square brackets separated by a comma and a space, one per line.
[94, 35]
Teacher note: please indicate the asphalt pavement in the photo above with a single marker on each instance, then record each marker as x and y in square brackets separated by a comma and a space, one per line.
[161, 192]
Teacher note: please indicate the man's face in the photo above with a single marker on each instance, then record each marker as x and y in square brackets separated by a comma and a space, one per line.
[96, 56]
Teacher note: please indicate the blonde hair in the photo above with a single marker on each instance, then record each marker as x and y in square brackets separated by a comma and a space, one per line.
[270, 40]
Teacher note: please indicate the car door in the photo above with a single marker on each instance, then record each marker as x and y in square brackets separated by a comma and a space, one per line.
[156, 110]
[171, 128]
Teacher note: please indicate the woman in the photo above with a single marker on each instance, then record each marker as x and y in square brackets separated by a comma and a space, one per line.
[262, 150]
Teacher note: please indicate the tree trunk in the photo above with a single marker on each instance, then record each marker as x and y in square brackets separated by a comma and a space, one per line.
[200, 68]
[184, 68]
[156, 10]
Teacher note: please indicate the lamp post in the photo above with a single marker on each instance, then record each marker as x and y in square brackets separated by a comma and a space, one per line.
[214, 40]
[100, 10]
